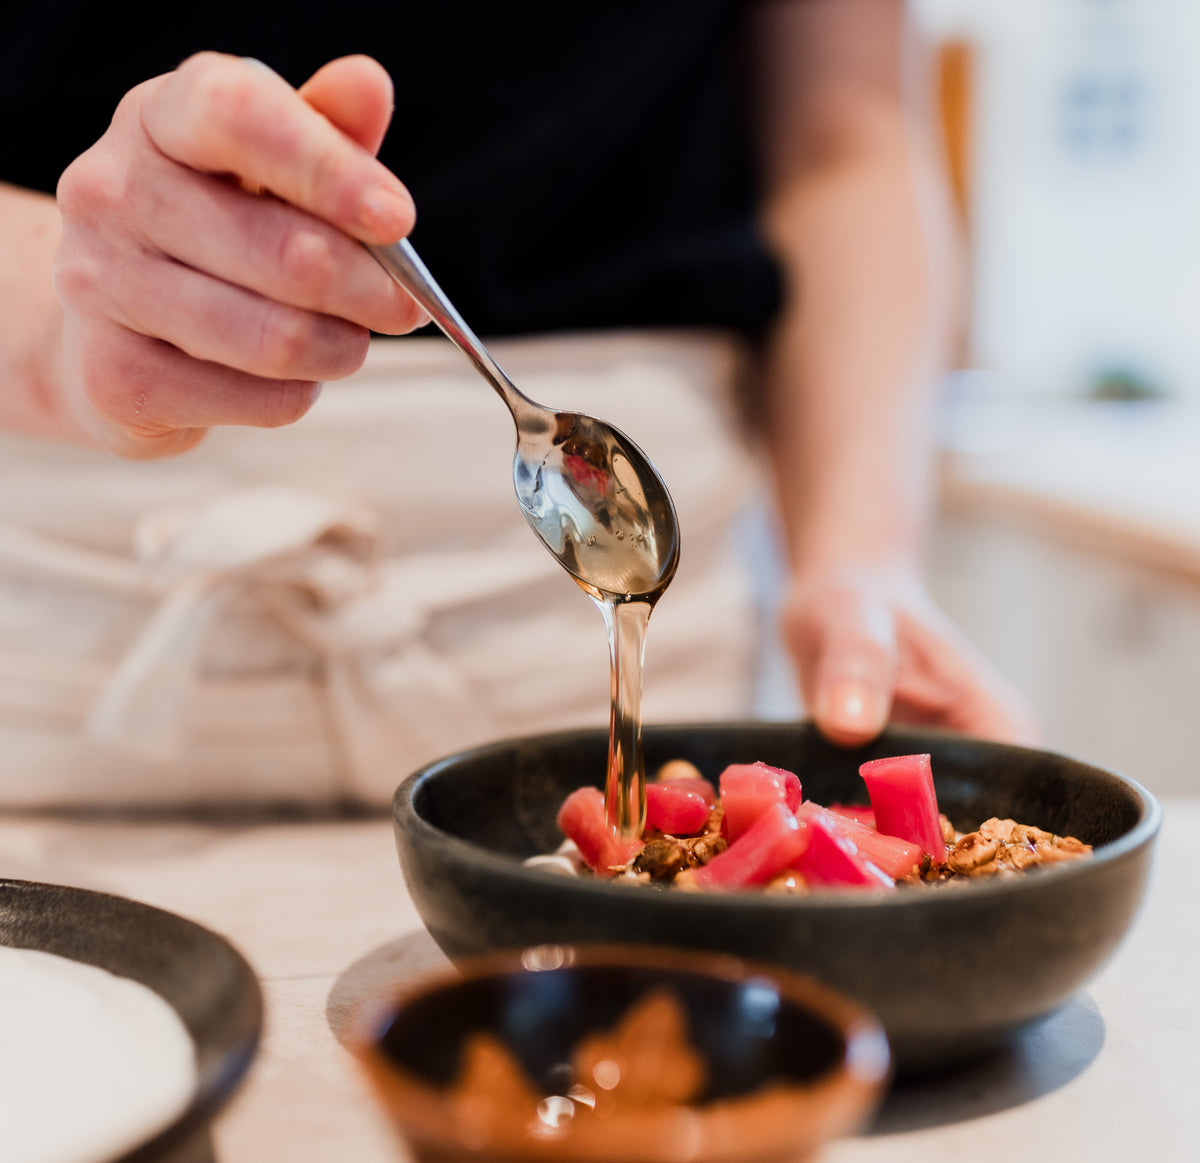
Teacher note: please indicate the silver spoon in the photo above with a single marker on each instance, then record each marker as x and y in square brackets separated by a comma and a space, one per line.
[599, 505]
[590, 494]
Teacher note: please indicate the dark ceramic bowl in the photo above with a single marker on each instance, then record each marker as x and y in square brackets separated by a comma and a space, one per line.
[953, 971]
[206, 981]
[750, 1065]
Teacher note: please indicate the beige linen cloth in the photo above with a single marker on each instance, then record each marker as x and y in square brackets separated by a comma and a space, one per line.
[307, 615]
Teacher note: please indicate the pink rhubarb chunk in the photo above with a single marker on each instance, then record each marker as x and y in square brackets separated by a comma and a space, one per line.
[902, 794]
[767, 849]
[697, 783]
[749, 789]
[831, 858]
[582, 819]
[676, 808]
[860, 812]
[890, 854]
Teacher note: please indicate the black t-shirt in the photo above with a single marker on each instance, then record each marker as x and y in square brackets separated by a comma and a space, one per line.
[574, 165]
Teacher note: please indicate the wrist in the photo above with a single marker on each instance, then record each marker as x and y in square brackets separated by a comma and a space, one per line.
[881, 551]
[888, 579]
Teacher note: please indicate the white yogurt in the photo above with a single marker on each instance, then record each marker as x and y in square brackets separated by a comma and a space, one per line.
[90, 1064]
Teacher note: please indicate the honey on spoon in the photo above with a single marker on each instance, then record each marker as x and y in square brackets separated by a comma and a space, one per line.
[599, 505]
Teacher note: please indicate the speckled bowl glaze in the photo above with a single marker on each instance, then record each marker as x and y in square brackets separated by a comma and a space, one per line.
[953, 972]
[785, 1065]
[207, 982]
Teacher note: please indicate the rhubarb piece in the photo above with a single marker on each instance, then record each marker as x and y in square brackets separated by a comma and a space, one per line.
[898, 858]
[770, 846]
[675, 807]
[831, 858]
[584, 822]
[749, 789]
[680, 771]
[902, 794]
[863, 813]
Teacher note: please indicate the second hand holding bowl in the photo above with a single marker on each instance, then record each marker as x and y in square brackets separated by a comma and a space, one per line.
[598, 504]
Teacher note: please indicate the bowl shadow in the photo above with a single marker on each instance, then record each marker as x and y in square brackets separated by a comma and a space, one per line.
[384, 972]
[1036, 1062]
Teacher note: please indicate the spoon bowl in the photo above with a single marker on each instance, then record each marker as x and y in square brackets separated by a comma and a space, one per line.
[593, 498]
[596, 501]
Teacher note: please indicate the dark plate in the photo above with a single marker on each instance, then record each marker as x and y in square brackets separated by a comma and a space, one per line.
[953, 971]
[207, 982]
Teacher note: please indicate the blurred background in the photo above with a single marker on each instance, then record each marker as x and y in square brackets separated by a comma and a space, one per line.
[1076, 143]
[1068, 544]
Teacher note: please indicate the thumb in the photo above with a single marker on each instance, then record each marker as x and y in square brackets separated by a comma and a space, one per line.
[844, 644]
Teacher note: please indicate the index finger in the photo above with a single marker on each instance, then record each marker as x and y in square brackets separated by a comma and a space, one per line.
[224, 114]
[844, 644]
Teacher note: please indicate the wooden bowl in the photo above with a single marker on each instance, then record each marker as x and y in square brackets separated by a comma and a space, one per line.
[767, 1066]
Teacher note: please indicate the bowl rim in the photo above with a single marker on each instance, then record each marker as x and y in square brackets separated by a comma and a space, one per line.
[863, 1068]
[213, 1089]
[407, 818]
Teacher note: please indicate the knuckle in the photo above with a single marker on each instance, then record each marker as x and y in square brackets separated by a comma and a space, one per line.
[323, 178]
[78, 276]
[306, 265]
[214, 87]
[284, 339]
[303, 345]
[215, 101]
[91, 187]
[117, 390]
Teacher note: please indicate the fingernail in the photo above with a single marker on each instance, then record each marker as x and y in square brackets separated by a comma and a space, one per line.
[261, 65]
[852, 705]
[386, 213]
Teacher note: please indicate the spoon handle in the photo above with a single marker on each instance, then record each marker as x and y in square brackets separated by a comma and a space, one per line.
[405, 266]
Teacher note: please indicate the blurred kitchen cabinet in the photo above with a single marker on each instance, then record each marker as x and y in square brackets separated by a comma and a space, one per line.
[1106, 650]
[1071, 135]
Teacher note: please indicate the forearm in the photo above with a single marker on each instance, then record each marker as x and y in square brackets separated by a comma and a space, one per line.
[31, 399]
[851, 363]
[865, 239]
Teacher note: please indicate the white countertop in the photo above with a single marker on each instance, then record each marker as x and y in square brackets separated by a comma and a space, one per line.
[321, 911]
[1120, 478]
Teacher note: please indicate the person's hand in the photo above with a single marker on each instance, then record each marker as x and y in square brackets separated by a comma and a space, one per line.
[209, 271]
[871, 647]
